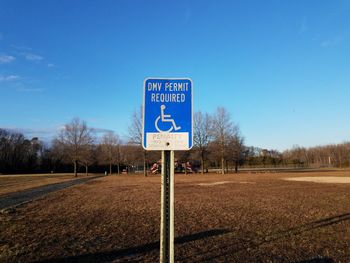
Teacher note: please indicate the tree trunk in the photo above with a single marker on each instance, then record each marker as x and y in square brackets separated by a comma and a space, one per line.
[236, 167]
[222, 165]
[118, 167]
[75, 169]
[86, 169]
[185, 168]
[202, 162]
[144, 163]
[110, 168]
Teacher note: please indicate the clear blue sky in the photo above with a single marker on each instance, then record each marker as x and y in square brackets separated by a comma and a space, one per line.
[281, 68]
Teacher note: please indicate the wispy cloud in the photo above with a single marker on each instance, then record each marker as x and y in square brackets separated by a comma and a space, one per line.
[9, 78]
[21, 48]
[31, 130]
[101, 130]
[331, 42]
[96, 130]
[45, 134]
[303, 26]
[33, 57]
[6, 59]
[31, 89]
[188, 12]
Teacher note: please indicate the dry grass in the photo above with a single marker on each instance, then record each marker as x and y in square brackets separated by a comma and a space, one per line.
[249, 218]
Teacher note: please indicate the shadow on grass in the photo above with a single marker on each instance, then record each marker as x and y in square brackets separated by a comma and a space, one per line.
[310, 226]
[116, 254]
[244, 245]
[317, 260]
[216, 253]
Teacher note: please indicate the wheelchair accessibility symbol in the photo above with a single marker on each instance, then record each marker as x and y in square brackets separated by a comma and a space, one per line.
[165, 118]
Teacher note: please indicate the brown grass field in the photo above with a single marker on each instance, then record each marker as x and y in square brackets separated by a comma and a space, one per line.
[218, 218]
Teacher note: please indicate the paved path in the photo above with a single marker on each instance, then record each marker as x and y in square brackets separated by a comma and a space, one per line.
[28, 195]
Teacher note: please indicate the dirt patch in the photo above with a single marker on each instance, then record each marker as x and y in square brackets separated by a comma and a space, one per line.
[224, 182]
[215, 183]
[323, 179]
[117, 220]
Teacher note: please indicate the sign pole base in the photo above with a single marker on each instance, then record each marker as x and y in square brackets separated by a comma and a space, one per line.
[167, 208]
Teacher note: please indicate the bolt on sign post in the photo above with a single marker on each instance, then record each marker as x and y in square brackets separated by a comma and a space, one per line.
[167, 127]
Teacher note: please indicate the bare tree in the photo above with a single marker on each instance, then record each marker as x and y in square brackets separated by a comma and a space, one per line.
[109, 150]
[57, 155]
[203, 131]
[88, 157]
[130, 157]
[74, 138]
[237, 150]
[223, 131]
[135, 135]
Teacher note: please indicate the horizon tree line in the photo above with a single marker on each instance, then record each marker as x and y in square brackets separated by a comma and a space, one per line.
[218, 144]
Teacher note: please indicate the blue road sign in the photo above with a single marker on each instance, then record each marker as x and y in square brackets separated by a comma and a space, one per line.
[167, 114]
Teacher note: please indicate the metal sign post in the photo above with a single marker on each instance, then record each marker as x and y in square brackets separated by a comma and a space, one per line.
[167, 208]
[167, 127]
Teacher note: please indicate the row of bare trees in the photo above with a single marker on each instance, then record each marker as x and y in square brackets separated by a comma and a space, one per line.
[217, 144]
[333, 155]
[217, 137]
[18, 153]
[208, 131]
[77, 143]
